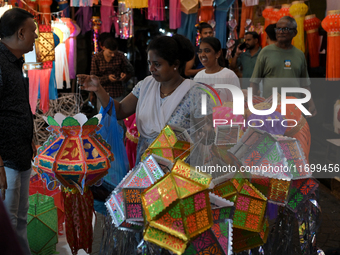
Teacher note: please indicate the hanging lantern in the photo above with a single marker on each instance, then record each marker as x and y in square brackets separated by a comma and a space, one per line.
[77, 157]
[44, 7]
[206, 12]
[45, 46]
[31, 4]
[274, 16]
[312, 24]
[284, 11]
[189, 6]
[96, 23]
[332, 25]
[266, 14]
[125, 20]
[298, 10]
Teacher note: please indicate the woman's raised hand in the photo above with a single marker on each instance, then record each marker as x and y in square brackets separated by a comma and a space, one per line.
[88, 82]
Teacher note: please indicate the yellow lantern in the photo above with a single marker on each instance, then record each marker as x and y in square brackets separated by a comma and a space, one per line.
[298, 10]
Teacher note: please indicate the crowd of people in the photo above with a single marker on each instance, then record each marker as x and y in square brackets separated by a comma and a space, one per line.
[171, 95]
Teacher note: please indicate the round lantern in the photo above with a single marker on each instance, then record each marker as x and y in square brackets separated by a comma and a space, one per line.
[298, 10]
[332, 25]
[266, 14]
[273, 16]
[312, 24]
[284, 11]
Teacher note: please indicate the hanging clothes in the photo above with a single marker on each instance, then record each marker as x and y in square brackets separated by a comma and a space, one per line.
[71, 45]
[187, 27]
[247, 13]
[222, 8]
[107, 10]
[156, 10]
[61, 62]
[81, 3]
[175, 14]
[83, 16]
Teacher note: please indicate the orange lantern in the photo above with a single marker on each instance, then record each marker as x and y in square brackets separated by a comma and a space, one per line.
[31, 4]
[332, 25]
[266, 14]
[298, 10]
[44, 7]
[274, 16]
[284, 11]
[312, 24]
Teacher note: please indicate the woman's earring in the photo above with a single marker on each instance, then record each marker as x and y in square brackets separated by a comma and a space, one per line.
[174, 68]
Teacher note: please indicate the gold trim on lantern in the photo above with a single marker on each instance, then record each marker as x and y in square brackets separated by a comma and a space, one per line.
[72, 190]
[298, 16]
[63, 2]
[269, 7]
[312, 31]
[334, 33]
[285, 6]
[310, 16]
[298, 2]
[333, 12]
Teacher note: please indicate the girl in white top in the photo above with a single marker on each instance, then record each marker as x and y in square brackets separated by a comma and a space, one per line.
[210, 55]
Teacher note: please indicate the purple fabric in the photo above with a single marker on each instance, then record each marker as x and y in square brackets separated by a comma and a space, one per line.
[272, 127]
[175, 14]
[156, 10]
[272, 210]
[83, 17]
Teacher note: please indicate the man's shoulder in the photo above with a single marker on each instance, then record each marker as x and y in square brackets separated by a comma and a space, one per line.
[98, 56]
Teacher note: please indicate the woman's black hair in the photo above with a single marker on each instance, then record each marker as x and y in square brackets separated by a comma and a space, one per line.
[216, 45]
[172, 49]
[12, 20]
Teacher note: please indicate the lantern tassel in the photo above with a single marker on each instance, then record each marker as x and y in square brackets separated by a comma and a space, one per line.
[78, 223]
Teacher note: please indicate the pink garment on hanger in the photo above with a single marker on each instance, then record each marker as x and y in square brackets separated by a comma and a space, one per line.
[175, 14]
[41, 77]
[108, 16]
[156, 10]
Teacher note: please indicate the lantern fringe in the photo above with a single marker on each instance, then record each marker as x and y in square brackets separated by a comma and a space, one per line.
[78, 224]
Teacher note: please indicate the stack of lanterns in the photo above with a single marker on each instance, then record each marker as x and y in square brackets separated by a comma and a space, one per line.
[266, 14]
[332, 25]
[284, 11]
[298, 10]
[312, 24]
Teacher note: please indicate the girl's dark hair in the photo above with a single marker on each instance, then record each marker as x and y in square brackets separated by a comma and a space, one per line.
[12, 20]
[216, 45]
[172, 49]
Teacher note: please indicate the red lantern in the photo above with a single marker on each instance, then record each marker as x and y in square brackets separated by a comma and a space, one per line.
[312, 24]
[273, 16]
[44, 7]
[266, 14]
[332, 25]
[284, 11]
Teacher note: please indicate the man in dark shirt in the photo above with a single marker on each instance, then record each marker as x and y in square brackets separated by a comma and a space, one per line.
[112, 68]
[17, 33]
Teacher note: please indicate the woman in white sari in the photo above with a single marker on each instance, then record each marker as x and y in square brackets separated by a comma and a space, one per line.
[164, 98]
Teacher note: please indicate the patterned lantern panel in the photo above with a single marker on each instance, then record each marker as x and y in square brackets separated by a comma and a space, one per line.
[171, 143]
[276, 190]
[312, 24]
[244, 240]
[270, 155]
[250, 204]
[42, 224]
[75, 154]
[45, 45]
[284, 11]
[124, 204]
[300, 191]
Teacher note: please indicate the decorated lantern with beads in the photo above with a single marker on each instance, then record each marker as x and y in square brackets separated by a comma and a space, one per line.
[266, 15]
[332, 25]
[298, 10]
[312, 24]
[96, 23]
[284, 11]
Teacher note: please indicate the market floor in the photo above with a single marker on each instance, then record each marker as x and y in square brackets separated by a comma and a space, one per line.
[328, 237]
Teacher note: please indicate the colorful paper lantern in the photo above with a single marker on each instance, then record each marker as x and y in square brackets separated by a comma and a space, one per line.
[42, 224]
[332, 25]
[298, 10]
[312, 24]
[45, 44]
[274, 16]
[299, 192]
[266, 15]
[44, 7]
[126, 19]
[189, 6]
[77, 157]
[270, 155]
[120, 206]
[171, 143]
[250, 204]
[284, 11]
[244, 240]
